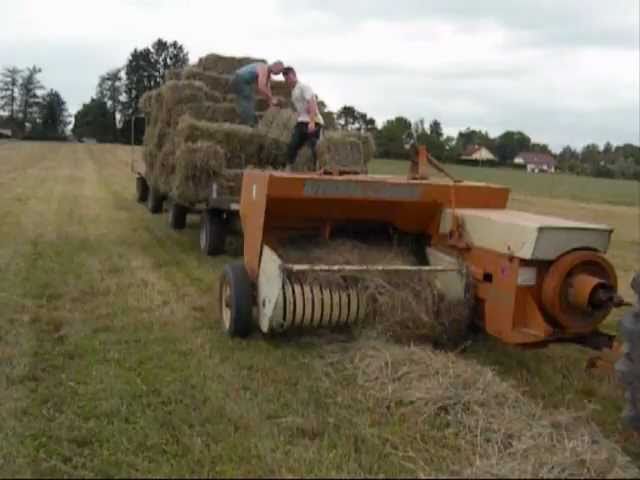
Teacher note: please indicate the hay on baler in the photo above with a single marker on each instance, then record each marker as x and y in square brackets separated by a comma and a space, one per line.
[340, 151]
[404, 306]
[365, 139]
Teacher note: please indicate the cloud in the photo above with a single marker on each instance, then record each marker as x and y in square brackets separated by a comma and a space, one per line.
[564, 72]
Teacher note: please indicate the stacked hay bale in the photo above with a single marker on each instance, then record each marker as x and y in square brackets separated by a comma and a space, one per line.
[347, 149]
[194, 136]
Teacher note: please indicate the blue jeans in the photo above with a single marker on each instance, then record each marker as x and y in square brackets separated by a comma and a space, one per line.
[245, 101]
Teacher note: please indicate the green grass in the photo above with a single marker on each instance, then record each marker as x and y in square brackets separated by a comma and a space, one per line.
[572, 187]
[113, 363]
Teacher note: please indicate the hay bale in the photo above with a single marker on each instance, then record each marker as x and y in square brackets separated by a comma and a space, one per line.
[224, 64]
[366, 140]
[173, 74]
[175, 94]
[280, 89]
[244, 146]
[278, 123]
[215, 82]
[209, 112]
[340, 151]
[197, 166]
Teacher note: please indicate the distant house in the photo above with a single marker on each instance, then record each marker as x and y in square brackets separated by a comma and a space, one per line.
[5, 133]
[478, 155]
[536, 162]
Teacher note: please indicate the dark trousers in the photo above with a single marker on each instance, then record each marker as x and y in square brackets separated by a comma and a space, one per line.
[299, 138]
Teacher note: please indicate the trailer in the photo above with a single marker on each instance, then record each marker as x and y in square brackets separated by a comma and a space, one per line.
[219, 214]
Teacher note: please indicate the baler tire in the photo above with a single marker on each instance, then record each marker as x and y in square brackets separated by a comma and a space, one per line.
[142, 190]
[177, 216]
[213, 233]
[235, 300]
[154, 201]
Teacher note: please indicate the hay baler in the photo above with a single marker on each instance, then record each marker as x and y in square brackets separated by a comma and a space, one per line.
[536, 278]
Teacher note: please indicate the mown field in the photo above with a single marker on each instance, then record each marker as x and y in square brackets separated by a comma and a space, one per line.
[112, 361]
[565, 186]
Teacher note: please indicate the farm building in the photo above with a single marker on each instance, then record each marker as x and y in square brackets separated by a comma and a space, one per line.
[478, 155]
[5, 133]
[536, 162]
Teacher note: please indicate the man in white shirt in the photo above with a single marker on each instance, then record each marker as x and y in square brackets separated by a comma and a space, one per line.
[310, 123]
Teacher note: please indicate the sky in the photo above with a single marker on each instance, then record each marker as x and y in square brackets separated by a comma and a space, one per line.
[564, 72]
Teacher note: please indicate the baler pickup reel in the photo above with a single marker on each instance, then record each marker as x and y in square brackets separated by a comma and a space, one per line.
[287, 298]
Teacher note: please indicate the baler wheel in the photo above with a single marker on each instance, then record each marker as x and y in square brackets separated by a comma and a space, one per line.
[142, 190]
[154, 201]
[213, 233]
[177, 216]
[235, 300]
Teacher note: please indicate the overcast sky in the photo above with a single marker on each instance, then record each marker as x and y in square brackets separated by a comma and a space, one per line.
[563, 71]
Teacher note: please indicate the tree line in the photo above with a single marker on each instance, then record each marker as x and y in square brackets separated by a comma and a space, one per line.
[610, 161]
[109, 114]
[30, 110]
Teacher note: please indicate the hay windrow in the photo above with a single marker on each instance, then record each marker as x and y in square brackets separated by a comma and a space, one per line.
[460, 419]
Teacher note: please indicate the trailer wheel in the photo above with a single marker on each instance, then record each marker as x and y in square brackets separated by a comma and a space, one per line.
[154, 201]
[142, 190]
[177, 216]
[235, 300]
[213, 233]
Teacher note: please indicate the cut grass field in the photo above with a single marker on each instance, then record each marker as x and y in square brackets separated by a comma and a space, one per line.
[570, 187]
[112, 361]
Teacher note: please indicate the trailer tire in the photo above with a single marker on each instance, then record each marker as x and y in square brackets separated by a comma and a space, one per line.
[154, 201]
[178, 216]
[235, 300]
[142, 189]
[213, 233]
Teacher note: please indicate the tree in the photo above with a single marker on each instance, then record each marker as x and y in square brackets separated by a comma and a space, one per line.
[347, 117]
[9, 90]
[435, 130]
[389, 139]
[30, 87]
[510, 144]
[350, 118]
[540, 148]
[569, 160]
[470, 136]
[93, 120]
[110, 90]
[53, 117]
[146, 70]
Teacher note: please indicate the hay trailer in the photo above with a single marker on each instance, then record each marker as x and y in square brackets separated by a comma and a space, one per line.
[219, 215]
